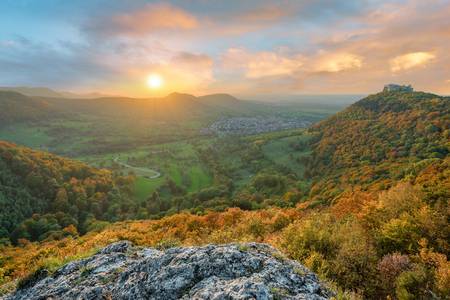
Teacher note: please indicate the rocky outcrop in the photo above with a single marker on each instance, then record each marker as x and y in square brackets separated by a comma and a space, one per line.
[123, 271]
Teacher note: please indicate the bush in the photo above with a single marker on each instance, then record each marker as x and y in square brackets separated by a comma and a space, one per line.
[400, 235]
[257, 228]
[389, 268]
[312, 234]
[318, 264]
[165, 244]
[412, 284]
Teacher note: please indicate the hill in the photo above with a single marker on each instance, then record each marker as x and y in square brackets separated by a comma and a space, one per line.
[33, 91]
[175, 106]
[15, 107]
[381, 139]
[371, 216]
[43, 195]
[47, 92]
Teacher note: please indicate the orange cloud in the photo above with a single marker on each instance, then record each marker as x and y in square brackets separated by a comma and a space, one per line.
[150, 18]
[195, 70]
[337, 62]
[411, 60]
[261, 64]
[264, 14]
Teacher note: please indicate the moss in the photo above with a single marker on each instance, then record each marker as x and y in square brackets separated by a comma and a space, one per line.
[279, 256]
[279, 293]
[243, 248]
[86, 271]
[165, 244]
[299, 271]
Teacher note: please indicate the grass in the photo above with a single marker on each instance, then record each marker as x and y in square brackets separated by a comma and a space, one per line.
[243, 248]
[144, 187]
[281, 153]
[23, 134]
[199, 178]
[178, 161]
[182, 162]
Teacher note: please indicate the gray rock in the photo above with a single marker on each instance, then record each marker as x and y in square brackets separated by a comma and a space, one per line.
[122, 271]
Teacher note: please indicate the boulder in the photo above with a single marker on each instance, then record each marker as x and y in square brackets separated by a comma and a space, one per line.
[232, 271]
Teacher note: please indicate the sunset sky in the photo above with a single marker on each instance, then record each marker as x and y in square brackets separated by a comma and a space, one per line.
[246, 48]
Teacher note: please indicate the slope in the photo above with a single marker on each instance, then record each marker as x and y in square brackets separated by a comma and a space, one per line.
[15, 107]
[40, 194]
[380, 140]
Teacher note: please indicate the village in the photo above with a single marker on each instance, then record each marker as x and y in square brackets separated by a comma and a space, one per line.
[254, 125]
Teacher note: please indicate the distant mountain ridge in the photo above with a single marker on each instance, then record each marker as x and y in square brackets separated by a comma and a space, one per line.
[378, 197]
[47, 92]
[17, 107]
[172, 106]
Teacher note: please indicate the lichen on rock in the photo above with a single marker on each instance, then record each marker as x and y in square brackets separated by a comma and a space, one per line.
[232, 271]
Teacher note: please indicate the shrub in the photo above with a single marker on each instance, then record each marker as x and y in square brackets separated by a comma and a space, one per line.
[165, 244]
[312, 234]
[412, 284]
[318, 264]
[389, 268]
[400, 235]
[256, 228]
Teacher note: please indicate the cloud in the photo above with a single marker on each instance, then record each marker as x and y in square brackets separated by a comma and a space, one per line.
[143, 21]
[251, 16]
[260, 45]
[194, 68]
[29, 63]
[182, 72]
[261, 64]
[411, 60]
[384, 39]
[338, 62]
[267, 13]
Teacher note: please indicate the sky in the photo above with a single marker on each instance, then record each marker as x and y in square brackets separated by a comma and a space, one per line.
[245, 48]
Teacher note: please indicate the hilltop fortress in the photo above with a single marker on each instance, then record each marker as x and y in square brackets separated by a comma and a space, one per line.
[397, 88]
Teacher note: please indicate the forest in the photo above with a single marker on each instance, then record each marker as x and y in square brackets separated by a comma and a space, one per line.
[360, 198]
[44, 196]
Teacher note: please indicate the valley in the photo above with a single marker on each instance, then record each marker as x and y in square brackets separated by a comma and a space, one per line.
[329, 195]
[174, 148]
[238, 150]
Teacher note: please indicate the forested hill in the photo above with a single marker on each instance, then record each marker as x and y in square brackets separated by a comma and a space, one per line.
[44, 195]
[381, 139]
[15, 107]
[375, 220]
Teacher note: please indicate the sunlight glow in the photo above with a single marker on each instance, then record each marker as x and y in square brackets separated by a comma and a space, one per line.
[411, 60]
[155, 81]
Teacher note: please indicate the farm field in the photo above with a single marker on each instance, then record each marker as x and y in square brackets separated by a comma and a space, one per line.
[34, 137]
[172, 157]
[153, 166]
[186, 163]
[276, 151]
[318, 130]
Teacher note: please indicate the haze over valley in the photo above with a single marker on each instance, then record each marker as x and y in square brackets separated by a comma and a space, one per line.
[217, 150]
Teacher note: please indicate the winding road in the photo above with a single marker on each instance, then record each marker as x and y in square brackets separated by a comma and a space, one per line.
[156, 174]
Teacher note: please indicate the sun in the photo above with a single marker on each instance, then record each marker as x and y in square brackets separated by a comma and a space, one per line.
[155, 81]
